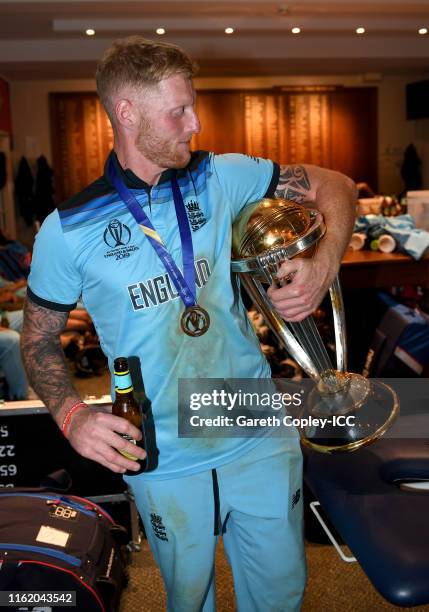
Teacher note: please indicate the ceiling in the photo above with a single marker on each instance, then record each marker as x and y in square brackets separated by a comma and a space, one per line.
[46, 39]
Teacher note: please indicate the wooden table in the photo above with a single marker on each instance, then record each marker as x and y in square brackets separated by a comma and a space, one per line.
[372, 269]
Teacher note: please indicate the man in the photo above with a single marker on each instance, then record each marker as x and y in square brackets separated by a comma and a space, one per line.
[105, 251]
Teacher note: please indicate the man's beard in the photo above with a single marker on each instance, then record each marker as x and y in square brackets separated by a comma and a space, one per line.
[158, 150]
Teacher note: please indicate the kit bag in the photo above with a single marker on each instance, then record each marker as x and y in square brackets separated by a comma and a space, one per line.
[50, 541]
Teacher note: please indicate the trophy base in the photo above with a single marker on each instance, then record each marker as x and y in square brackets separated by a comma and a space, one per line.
[336, 429]
[348, 395]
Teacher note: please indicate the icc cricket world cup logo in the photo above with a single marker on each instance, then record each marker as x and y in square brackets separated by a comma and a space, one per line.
[116, 234]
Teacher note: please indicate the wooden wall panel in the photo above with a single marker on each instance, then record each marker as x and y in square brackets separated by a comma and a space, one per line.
[222, 122]
[333, 128]
[354, 133]
[264, 124]
[5, 112]
[81, 140]
[309, 125]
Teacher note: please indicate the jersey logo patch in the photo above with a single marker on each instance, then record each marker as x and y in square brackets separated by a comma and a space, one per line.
[195, 215]
[117, 236]
[158, 527]
[296, 497]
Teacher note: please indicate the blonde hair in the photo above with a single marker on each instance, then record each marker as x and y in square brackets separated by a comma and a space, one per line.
[138, 62]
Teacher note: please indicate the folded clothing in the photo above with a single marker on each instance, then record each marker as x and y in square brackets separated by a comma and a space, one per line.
[410, 239]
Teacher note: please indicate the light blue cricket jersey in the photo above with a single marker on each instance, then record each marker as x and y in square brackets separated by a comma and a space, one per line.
[91, 247]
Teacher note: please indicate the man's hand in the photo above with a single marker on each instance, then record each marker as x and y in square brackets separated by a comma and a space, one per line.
[310, 279]
[95, 434]
[335, 196]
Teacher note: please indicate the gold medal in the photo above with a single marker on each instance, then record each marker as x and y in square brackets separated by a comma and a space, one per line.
[195, 321]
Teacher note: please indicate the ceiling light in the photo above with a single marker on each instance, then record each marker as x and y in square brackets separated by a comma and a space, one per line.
[296, 30]
[90, 32]
[423, 31]
[360, 30]
[160, 31]
[229, 30]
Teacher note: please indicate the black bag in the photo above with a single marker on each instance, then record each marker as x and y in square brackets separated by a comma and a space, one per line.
[400, 346]
[50, 541]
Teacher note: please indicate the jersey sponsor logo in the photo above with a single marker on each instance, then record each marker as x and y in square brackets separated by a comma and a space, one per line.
[117, 236]
[195, 215]
[160, 289]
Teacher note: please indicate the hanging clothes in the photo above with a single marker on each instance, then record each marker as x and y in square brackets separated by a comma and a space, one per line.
[44, 189]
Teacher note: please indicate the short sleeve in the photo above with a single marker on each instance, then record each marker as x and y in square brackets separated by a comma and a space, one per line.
[54, 281]
[244, 178]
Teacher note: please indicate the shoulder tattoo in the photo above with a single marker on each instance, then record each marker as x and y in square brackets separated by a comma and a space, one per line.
[293, 184]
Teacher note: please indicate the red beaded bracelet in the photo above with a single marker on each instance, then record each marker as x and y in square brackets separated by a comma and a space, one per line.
[70, 413]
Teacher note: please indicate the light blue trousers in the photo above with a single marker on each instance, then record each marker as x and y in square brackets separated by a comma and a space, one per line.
[257, 502]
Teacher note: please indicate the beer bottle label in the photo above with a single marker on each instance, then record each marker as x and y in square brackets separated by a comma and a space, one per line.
[124, 453]
[123, 383]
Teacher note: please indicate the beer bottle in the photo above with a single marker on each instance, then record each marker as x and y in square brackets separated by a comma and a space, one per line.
[125, 406]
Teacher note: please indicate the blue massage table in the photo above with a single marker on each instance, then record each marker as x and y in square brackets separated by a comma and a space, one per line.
[366, 496]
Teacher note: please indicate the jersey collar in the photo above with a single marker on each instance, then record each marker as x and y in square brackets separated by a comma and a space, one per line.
[132, 181]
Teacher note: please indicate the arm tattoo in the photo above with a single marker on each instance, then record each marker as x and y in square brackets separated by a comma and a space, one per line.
[44, 358]
[293, 184]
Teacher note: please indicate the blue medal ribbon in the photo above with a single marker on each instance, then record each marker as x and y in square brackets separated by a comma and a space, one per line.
[184, 283]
